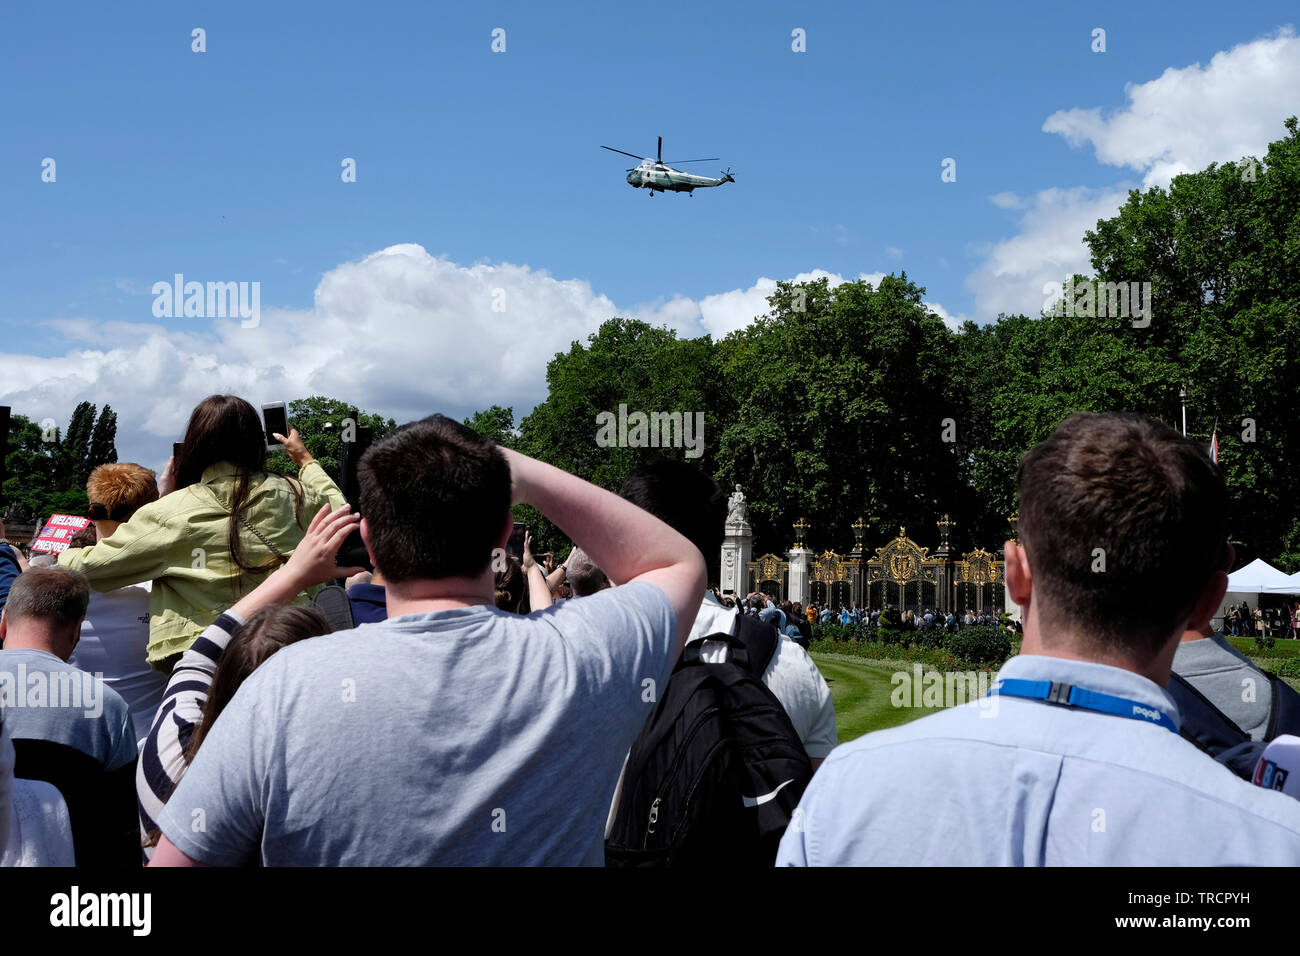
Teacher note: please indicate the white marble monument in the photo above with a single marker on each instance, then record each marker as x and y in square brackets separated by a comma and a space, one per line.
[737, 546]
[800, 559]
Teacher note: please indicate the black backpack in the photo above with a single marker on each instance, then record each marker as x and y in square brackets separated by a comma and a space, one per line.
[1215, 733]
[717, 770]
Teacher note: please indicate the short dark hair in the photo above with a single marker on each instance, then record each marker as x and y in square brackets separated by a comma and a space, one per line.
[687, 500]
[53, 594]
[435, 495]
[583, 575]
[1124, 521]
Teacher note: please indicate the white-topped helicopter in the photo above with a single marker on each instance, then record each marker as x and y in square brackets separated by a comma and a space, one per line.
[657, 176]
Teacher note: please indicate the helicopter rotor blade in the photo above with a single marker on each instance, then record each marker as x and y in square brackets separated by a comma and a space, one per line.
[660, 154]
[683, 162]
[624, 152]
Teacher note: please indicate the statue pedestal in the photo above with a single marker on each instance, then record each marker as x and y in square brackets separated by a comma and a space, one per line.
[737, 552]
[798, 592]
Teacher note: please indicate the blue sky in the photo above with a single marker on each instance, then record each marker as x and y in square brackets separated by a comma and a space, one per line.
[225, 165]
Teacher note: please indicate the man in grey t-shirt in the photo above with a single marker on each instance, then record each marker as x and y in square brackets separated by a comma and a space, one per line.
[453, 732]
[1226, 678]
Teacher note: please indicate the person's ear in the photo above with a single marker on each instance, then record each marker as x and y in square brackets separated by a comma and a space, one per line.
[365, 539]
[1019, 579]
[4, 625]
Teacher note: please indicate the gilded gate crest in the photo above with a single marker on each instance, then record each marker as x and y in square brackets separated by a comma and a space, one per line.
[902, 566]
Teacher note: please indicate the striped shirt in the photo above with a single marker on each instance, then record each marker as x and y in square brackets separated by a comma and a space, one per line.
[162, 758]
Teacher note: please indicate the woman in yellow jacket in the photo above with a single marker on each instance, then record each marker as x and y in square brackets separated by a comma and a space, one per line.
[226, 525]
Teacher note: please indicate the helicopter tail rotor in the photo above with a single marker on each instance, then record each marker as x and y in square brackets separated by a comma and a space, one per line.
[727, 177]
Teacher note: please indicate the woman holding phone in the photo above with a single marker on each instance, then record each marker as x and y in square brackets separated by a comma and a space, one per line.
[221, 526]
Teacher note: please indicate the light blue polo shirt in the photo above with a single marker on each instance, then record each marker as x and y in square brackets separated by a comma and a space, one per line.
[1014, 782]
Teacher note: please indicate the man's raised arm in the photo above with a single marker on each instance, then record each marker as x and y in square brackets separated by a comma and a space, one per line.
[628, 544]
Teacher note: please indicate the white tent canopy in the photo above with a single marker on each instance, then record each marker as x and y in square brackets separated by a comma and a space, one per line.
[1260, 577]
[1292, 586]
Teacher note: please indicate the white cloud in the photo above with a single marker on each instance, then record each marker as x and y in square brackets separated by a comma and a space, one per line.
[1047, 248]
[399, 331]
[1179, 122]
[953, 322]
[1187, 118]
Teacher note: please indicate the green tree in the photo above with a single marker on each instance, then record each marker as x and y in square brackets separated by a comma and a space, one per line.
[496, 423]
[29, 470]
[74, 451]
[103, 447]
[625, 362]
[323, 423]
[1219, 247]
[842, 410]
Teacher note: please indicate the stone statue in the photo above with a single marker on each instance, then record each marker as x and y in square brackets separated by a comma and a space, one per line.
[737, 509]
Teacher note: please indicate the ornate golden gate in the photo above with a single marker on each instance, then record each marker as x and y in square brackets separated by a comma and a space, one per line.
[769, 575]
[830, 582]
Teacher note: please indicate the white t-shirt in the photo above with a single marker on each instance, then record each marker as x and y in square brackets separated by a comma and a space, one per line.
[791, 675]
[114, 639]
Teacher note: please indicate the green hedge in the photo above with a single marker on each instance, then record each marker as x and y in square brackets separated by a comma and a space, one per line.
[984, 645]
[934, 659]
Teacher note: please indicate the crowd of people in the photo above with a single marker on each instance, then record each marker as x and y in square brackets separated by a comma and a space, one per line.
[918, 618]
[1281, 620]
[200, 679]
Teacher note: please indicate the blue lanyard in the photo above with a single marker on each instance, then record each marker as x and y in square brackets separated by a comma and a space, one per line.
[1070, 696]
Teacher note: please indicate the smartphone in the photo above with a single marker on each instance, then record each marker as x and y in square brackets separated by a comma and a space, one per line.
[276, 419]
[176, 449]
[515, 544]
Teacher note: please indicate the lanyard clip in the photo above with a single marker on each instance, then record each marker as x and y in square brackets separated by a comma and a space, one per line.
[1060, 693]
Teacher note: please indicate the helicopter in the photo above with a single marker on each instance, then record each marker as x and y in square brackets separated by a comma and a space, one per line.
[657, 176]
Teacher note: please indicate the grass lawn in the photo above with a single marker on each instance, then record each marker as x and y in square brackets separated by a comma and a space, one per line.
[1284, 648]
[860, 690]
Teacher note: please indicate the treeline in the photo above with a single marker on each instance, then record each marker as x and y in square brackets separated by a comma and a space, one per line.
[857, 400]
[47, 468]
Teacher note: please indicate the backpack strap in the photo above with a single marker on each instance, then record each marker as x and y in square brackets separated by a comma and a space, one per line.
[1285, 715]
[739, 651]
[1203, 723]
[759, 640]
